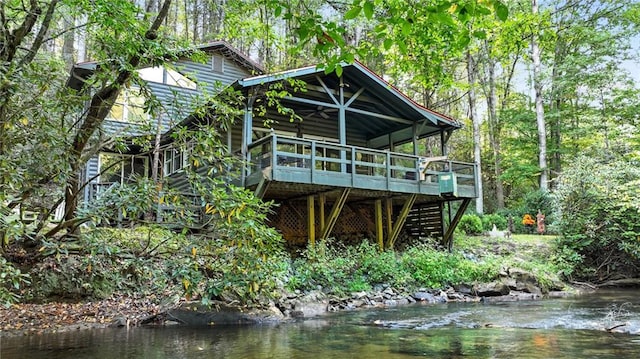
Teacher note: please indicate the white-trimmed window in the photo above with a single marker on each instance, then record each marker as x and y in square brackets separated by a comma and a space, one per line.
[116, 168]
[175, 159]
[166, 76]
[128, 107]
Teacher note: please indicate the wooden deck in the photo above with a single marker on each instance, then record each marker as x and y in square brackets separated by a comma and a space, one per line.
[297, 161]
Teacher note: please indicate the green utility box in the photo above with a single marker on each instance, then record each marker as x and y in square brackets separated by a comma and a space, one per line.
[448, 183]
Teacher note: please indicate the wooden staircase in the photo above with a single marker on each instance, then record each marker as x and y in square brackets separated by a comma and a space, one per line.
[425, 221]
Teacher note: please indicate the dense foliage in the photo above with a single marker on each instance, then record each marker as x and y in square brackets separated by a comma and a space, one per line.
[12, 281]
[599, 205]
[244, 263]
[343, 269]
[435, 53]
[470, 224]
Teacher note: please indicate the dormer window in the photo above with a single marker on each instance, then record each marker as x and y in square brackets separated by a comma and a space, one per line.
[166, 76]
[128, 107]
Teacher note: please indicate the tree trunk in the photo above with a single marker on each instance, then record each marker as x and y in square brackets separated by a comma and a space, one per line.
[537, 85]
[99, 107]
[489, 85]
[494, 131]
[68, 43]
[471, 75]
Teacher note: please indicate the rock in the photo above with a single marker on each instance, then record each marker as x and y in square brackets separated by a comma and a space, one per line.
[513, 296]
[424, 297]
[220, 313]
[119, 322]
[523, 276]
[390, 303]
[530, 288]
[358, 295]
[463, 288]
[312, 309]
[491, 289]
[455, 296]
[510, 282]
[389, 291]
[442, 297]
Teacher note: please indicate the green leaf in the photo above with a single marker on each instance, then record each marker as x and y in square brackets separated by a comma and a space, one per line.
[402, 46]
[480, 34]
[387, 43]
[330, 68]
[482, 10]
[368, 9]
[349, 58]
[277, 11]
[353, 13]
[445, 18]
[502, 11]
[406, 27]
[338, 70]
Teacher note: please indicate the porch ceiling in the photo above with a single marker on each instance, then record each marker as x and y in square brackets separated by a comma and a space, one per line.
[374, 109]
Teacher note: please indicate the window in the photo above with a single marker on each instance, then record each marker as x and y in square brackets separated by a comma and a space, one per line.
[128, 107]
[217, 63]
[162, 75]
[175, 159]
[115, 168]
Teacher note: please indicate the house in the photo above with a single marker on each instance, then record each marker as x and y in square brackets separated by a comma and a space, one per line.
[351, 165]
[176, 88]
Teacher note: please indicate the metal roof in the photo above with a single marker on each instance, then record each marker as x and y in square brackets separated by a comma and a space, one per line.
[82, 70]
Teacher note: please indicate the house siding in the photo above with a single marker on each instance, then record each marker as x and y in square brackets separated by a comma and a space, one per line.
[179, 104]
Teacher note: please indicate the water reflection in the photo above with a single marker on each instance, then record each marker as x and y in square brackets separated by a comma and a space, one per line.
[559, 328]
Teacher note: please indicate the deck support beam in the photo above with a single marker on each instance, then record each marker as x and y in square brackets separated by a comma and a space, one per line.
[447, 240]
[335, 212]
[388, 209]
[311, 220]
[379, 231]
[402, 218]
[322, 202]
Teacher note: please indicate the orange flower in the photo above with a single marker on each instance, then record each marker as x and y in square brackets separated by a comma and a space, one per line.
[527, 220]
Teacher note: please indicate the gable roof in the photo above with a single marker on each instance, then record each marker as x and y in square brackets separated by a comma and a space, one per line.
[366, 93]
[372, 81]
[232, 53]
[81, 71]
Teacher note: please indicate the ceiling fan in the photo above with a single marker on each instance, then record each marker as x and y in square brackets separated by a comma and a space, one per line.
[318, 111]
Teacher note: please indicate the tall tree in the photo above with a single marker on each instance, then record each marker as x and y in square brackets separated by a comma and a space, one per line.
[537, 85]
[43, 141]
[475, 120]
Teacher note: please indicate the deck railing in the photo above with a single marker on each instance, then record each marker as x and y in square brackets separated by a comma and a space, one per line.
[300, 160]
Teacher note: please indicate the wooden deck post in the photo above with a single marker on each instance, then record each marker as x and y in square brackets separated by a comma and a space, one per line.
[335, 212]
[322, 202]
[402, 217]
[379, 232]
[448, 236]
[388, 208]
[311, 220]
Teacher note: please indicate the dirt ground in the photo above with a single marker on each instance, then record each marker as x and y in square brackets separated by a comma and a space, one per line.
[25, 319]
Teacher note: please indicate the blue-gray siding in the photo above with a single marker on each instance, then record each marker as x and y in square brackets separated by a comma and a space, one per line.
[178, 102]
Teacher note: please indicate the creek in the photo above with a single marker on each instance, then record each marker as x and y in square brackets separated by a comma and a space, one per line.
[572, 327]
